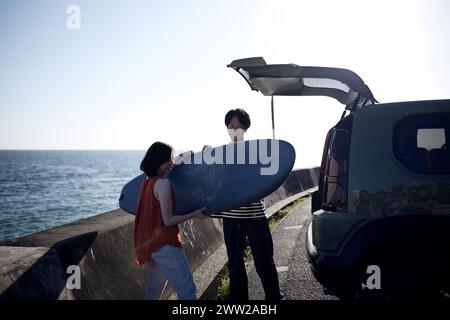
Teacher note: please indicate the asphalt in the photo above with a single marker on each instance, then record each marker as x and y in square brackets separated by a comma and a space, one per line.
[296, 279]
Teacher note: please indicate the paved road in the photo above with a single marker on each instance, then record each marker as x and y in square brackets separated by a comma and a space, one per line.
[296, 279]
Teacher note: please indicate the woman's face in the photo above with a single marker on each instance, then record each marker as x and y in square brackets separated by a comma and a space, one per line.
[166, 167]
[235, 130]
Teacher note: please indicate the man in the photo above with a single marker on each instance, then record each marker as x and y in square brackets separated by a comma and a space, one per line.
[248, 222]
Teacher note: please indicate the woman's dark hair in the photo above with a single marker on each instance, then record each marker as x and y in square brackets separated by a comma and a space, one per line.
[156, 155]
[243, 117]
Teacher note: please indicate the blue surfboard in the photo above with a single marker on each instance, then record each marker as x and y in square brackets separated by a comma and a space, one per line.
[223, 178]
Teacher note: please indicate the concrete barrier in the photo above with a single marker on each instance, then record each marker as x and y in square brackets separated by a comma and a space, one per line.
[299, 180]
[35, 266]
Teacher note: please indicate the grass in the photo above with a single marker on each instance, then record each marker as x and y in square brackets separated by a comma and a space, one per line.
[223, 291]
[280, 214]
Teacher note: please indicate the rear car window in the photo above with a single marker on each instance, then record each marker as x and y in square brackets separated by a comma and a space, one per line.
[421, 143]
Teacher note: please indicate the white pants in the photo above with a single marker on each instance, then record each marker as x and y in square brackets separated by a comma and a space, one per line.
[170, 264]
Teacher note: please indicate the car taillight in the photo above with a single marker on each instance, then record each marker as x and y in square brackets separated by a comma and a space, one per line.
[336, 168]
[323, 164]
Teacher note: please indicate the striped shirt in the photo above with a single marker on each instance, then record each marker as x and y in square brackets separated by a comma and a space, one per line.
[253, 210]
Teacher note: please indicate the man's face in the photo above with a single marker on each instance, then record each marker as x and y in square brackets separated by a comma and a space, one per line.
[235, 130]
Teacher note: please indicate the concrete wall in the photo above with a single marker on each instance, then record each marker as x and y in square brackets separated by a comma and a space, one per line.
[34, 266]
[299, 180]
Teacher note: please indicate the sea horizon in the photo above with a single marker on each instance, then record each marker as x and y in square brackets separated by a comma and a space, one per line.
[42, 189]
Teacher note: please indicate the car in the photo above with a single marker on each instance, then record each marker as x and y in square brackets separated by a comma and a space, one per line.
[381, 215]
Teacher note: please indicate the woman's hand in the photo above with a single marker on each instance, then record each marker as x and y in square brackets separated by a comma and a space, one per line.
[199, 214]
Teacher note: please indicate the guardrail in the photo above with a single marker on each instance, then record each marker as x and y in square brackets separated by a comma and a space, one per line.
[101, 249]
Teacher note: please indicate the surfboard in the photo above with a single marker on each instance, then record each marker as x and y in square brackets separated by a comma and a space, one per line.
[222, 178]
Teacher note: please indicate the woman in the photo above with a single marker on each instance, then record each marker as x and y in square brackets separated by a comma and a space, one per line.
[156, 233]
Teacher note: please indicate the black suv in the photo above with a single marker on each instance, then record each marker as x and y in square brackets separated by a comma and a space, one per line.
[381, 215]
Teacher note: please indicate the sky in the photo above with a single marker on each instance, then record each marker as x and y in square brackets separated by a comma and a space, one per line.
[142, 71]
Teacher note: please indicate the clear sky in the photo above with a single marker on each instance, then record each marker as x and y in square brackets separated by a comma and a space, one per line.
[141, 71]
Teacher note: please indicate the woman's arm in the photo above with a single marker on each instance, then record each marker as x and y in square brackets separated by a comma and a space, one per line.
[164, 194]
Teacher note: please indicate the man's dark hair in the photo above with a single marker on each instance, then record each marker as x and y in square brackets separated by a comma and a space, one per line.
[156, 155]
[243, 117]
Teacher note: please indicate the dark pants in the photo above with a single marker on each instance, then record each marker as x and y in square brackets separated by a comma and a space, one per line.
[258, 233]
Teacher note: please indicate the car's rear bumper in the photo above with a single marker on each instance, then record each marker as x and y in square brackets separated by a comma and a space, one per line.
[333, 273]
[395, 240]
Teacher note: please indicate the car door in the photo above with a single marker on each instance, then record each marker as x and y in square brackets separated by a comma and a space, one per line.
[293, 80]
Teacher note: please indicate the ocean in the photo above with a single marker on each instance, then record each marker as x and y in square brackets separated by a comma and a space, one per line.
[44, 189]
